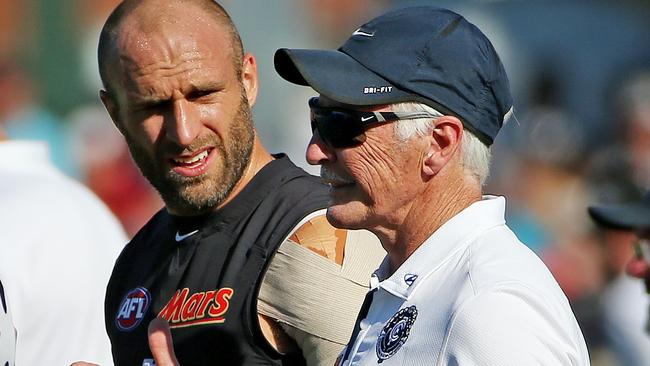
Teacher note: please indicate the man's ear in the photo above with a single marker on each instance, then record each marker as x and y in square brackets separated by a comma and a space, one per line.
[112, 108]
[249, 78]
[444, 140]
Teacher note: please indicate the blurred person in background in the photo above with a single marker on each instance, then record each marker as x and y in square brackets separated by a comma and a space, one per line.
[634, 107]
[107, 168]
[626, 226]
[618, 171]
[541, 172]
[23, 117]
[634, 104]
[59, 243]
[179, 87]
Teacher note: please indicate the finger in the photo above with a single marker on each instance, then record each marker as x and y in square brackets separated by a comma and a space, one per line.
[161, 344]
[637, 267]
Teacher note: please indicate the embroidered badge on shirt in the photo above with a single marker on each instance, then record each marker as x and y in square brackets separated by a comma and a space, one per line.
[395, 333]
[132, 309]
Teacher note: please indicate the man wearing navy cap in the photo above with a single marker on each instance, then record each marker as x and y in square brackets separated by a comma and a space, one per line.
[632, 216]
[407, 110]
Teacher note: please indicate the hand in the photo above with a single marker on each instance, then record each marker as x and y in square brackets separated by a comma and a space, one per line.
[161, 344]
[638, 267]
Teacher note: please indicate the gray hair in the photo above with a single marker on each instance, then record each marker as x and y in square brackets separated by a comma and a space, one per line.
[475, 155]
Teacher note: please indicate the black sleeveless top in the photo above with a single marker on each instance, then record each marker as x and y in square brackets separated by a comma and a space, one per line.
[203, 274]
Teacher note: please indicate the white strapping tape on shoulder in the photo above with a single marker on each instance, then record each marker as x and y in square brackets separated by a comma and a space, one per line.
[316, 295]
[304, 220]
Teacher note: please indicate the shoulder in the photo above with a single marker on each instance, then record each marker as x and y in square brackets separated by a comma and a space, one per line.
[151, 234]
[320, 237]
[160, 221]
[288, 192]
[295, 180]
[498, 257]
[512, 325]
[361, 249]
[316, 262]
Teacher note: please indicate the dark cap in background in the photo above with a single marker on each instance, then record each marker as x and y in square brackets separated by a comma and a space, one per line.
[423, 54]
[634, 215]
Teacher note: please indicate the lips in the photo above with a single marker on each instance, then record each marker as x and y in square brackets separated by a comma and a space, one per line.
[191, 160]
[192, 165]
[334, 180]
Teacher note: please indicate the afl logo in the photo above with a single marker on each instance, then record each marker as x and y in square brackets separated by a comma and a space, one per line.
[395, 333]
[132, 309]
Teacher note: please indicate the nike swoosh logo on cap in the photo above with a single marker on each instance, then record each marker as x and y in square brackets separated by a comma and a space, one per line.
[180, 237]
[359, 32]
[363, 119]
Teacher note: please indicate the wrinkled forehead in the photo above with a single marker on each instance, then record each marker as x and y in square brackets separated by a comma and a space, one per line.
[145, 41]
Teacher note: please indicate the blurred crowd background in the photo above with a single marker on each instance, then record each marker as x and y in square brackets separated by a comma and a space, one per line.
[580, 73]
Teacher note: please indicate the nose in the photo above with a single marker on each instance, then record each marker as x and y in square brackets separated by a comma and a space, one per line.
[184, 126]
[318, 152]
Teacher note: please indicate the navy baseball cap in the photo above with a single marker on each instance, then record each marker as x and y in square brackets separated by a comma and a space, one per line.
[634, 215]
[422, 54]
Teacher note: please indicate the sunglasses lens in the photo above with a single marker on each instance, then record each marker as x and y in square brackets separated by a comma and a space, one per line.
[338, 128]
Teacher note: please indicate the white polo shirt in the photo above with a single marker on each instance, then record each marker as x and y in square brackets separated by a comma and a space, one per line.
[471, 294]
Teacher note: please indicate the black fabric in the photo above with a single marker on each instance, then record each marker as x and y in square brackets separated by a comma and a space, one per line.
[222, 265]
[2, 298]
[363, 312]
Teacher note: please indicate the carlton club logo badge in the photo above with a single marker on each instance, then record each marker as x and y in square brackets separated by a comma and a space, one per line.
[395, 333]
[132, 309]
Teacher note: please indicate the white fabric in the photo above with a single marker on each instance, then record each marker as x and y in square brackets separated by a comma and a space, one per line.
[625, 311]
[58, 244]
[482, 297]
[7, 334]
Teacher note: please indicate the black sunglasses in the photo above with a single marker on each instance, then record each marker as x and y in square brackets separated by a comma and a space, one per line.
[342, 128]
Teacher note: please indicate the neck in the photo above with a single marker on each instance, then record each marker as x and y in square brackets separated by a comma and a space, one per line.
[437, 204]
[259, 158]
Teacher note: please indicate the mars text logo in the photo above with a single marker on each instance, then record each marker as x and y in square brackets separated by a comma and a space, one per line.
[132, 309]
[206, 307]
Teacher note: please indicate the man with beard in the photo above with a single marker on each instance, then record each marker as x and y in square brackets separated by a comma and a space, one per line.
[179, 87]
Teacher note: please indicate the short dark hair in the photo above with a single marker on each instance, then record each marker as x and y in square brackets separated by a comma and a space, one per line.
[112, 28]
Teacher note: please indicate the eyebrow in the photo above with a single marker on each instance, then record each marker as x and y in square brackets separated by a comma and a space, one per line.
[204, 86]
[145, 100]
